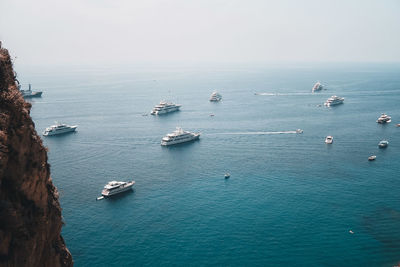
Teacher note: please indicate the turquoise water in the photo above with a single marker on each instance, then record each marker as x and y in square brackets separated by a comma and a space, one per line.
[291, 199]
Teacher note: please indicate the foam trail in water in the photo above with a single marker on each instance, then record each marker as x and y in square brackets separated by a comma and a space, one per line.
[282, 94]
[258, 133]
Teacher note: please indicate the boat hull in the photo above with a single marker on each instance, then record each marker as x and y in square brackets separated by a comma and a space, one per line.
[332, 104]
[63, 131]
[160, 112]
[33, 94]
[195, 137]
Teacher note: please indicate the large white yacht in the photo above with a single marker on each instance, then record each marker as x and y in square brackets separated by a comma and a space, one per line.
[384, 119]
[215, 97]
[114, 187]
[334, 100]
[179, 136]
[29, 93]
[59, 128]
[165, 107]
[317, 87]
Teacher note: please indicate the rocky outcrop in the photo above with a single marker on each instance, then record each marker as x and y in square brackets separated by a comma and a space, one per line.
[30, 213]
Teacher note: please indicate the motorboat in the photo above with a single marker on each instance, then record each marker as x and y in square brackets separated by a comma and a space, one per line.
[317, 87]
[59, 128]
[383, 144]
[179, 136]
[215, 97]
[299, 131]
[165, 107]
[371, 158]
[227, 175]
[334, 100]
[384, 119]
[329, 139]
[114, 187]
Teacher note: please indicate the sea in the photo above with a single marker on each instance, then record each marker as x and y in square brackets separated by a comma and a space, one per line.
[291, 200]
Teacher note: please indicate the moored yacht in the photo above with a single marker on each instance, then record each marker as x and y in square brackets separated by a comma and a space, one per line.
[215, 97]
[165, 107]
[384, 119]
[334, 100]
[114, 187]
[59, 128]
[383, 144]
[29, 93]
[317, 87]
[329, 139]
[179, 136]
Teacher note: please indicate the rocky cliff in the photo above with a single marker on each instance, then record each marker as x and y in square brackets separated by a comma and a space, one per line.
[30, 214]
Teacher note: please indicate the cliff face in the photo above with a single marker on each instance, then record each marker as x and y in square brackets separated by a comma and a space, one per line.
[30, 214]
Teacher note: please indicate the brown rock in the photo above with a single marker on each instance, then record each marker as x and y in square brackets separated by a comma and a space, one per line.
[30, 213]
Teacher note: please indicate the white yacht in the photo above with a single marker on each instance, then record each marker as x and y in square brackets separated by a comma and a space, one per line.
[165, 107]
[114, 187]
[179, 136]
[29, 93]
[384, 119]
[383, 144]
[329, 139]
[215, 97]
[334, 100]
[59, 128]
[317, 87]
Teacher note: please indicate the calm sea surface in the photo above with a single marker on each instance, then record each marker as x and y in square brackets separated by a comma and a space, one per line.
[291, 199]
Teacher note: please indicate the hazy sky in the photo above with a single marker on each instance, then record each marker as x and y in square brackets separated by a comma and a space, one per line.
[131, 31]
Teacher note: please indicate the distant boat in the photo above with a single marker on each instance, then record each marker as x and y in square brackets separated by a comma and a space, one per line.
[317, 87]
[383, 144]
[371, 158]
[329, 139]
[165, 107]
[384, 119]
[29, 93]
[114, 187]
[299, 131]
[334, 100]
[59, 128]
[215, 97]
[179, 136]
[227, 175]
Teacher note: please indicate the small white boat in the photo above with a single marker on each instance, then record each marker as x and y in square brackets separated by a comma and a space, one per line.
[299, 131]
[227, 175]
[329, 139]
[384, 119]
[215, 97]
[317, 87]
[114, 187]
[371, 158]
[383, 144]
